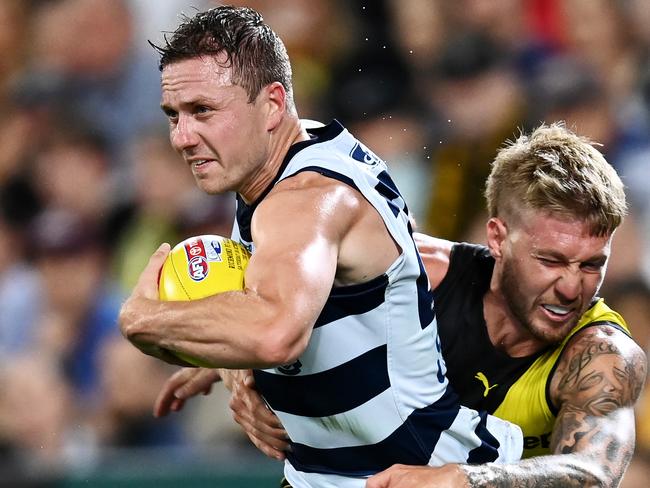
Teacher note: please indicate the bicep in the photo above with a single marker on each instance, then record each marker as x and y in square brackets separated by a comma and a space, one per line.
[296, 247]
[596, 386]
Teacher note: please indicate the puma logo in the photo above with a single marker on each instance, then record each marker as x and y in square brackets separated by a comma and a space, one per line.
[486, 384]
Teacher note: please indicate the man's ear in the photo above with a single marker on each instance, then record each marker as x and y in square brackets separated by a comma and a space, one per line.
[276, 98]
[496, 236]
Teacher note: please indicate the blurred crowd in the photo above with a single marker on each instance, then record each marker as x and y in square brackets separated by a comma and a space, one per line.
[89, 185]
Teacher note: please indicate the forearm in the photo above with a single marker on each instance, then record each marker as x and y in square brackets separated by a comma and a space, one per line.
[561, 471]
[230, 330]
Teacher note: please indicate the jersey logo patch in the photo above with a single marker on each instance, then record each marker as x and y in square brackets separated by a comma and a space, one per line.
[291, 369]
[486, 384]
[364, 155]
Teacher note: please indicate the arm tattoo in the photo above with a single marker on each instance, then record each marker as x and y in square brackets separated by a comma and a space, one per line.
[541, 472]
[600, 390]
[596, 385]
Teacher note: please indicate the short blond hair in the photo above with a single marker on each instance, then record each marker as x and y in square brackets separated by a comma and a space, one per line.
[555, 170]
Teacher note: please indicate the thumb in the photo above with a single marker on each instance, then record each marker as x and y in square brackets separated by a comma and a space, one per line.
[149, 277]
[161, 253]
[157, 258]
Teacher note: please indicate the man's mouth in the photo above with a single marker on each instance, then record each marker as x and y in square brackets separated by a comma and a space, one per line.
[197, 164]
[557, 310]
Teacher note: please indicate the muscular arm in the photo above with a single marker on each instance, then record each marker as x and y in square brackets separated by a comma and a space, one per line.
[309, 232]
[287, 280]
[598, 380]
[596, 384]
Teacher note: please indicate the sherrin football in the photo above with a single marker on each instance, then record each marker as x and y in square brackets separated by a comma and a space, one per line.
[202, 266]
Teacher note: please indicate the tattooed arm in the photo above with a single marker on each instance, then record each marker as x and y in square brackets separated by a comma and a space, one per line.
[598, 379]
[597, 382]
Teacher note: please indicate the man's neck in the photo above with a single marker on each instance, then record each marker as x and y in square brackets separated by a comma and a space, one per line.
[506, 333]
[283, 137]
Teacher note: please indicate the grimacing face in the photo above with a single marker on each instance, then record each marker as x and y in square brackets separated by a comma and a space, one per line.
[549, 273]
[220, 135]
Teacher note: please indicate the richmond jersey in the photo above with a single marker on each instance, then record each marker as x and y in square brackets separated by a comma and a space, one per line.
[370, 389]
[514, 389]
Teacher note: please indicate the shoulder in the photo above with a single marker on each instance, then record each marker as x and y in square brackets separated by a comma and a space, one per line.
[310, 186]
[600, 367]
[309, 200]
[435, 255]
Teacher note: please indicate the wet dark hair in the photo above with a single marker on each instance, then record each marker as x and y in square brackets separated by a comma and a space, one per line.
[253, 51]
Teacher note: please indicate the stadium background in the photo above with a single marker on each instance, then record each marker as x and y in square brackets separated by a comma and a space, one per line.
[89, 187]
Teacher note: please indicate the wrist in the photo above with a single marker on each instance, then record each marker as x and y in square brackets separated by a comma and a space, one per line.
[462, 476]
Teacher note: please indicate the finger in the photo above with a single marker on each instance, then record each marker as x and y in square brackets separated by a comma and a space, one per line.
[260, 411]
[249, 379]
[199, 383]
[273, 438]
[274, 441]
[177, 405]
[381, 480]
[166, 398]
[244, 392]
[267, 449]
[268, 420]
[148, 281]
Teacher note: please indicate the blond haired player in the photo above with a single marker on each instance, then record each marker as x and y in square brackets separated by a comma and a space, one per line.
[523, 332]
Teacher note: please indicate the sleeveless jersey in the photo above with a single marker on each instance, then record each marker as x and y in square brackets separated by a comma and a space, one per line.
[370, 389]
[514, 389]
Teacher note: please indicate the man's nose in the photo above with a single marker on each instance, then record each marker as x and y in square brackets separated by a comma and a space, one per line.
[183, 135]
[569, 285]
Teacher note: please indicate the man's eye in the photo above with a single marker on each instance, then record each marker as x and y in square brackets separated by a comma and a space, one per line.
[592, 267]
[201, 109]
[548, 262]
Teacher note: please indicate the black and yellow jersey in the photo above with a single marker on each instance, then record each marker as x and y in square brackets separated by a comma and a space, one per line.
[514, 389]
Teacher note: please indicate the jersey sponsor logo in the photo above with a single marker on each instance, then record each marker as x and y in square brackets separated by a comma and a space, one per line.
[533, 441]
[486, 384]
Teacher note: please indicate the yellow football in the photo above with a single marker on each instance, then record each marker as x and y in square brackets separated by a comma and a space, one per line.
[202, 266]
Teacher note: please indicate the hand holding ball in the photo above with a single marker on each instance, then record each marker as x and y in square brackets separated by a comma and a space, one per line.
[202, 266]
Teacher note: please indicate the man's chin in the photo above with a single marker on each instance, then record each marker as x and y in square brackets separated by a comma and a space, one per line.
[209, 188]
[551, 334]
